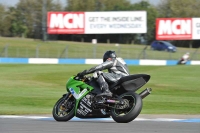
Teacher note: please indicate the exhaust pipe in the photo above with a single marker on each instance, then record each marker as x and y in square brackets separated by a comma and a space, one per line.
[145, 92]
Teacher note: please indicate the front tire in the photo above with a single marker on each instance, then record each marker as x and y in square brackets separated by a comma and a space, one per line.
[64, 109]
[129, 114]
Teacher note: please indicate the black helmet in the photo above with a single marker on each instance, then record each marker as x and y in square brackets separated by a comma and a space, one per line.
[109, 54]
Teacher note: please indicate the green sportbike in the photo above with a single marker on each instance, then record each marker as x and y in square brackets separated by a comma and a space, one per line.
[81, 99]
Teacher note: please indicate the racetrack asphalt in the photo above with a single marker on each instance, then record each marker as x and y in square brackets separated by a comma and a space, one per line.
[142, 124]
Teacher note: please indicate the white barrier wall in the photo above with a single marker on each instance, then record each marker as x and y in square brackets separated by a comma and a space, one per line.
[89, 61]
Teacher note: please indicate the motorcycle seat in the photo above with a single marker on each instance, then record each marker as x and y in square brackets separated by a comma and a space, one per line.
[132, 82]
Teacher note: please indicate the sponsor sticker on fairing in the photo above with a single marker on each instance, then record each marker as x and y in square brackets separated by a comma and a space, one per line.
[77, 96]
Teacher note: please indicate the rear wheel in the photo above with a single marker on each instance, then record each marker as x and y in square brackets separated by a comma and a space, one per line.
[131, 112]
[64, 109]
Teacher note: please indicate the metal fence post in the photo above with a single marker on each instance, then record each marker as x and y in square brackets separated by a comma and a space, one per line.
[194, 53]
[37, 51]
[64, 52]
[94, 51]
[118, 51]
[6, 51]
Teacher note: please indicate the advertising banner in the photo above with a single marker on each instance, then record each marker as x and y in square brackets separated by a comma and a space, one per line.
[177, 28]
[97, 22]
[196, 28]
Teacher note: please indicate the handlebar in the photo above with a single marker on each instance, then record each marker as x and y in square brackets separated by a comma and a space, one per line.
[84, 78]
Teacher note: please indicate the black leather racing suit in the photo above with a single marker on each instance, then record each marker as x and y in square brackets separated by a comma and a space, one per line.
[117, 68]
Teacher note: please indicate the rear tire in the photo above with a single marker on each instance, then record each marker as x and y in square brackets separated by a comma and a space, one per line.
[64, 112]
[129, 114]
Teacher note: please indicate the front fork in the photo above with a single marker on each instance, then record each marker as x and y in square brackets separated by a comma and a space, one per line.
[66, 98]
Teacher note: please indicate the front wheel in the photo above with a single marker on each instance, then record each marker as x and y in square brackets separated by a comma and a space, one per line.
[64, 109]
[131, 112]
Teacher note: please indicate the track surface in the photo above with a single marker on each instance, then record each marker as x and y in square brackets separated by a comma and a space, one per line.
[49, 125]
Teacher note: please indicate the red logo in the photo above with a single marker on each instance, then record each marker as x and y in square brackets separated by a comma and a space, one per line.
[174, 29]
[65, 22]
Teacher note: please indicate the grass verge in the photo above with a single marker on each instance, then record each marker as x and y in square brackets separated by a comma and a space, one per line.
[30, 48]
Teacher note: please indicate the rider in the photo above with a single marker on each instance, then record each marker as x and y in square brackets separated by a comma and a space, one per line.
[117, 68]
[185, 57]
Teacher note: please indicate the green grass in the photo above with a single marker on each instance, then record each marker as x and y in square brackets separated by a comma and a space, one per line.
[34, 89]
[19, 47]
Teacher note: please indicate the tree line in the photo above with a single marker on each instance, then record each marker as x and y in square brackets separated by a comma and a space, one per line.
[26, 18]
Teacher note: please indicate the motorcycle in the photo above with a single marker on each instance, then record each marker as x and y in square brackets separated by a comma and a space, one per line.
[81, 99]
[182, 61]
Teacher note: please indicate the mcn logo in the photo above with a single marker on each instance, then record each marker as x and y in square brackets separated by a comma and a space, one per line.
[174, 29]
[65, 22]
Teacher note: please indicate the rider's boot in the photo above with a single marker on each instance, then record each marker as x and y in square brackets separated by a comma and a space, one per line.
[106, 92]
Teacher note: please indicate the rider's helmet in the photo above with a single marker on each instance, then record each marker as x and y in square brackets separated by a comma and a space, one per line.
[109, 54]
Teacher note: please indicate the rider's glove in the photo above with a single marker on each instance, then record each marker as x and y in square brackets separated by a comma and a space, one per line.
[81, 74]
